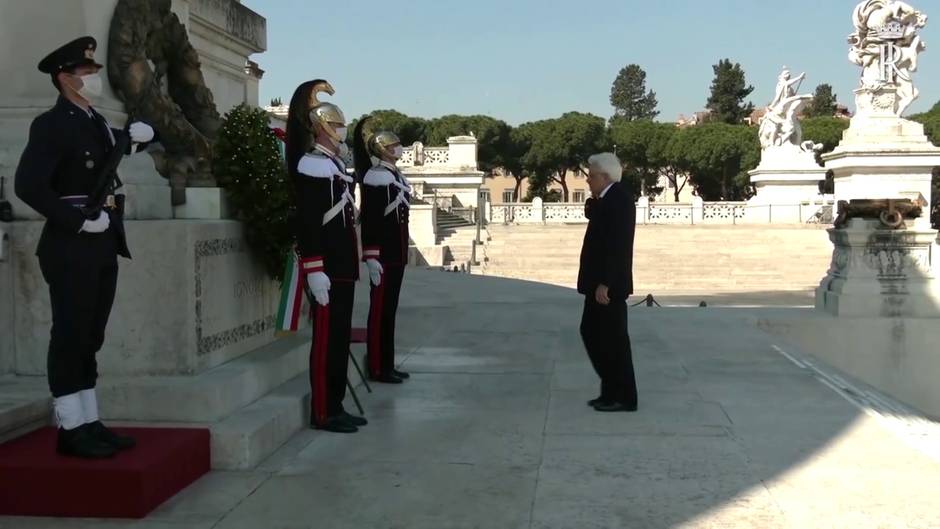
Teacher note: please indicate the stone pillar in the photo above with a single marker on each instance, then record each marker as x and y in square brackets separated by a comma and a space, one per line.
[642, 209]
[698, 210]
[878, 272]
[538, 210]
[463, 152]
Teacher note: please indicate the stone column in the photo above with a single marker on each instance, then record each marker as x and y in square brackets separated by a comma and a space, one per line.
[30, 30]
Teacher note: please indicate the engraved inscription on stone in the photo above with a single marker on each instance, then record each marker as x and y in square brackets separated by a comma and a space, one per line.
[235, 298]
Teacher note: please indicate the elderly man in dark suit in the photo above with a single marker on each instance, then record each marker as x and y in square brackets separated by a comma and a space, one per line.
[606, 280]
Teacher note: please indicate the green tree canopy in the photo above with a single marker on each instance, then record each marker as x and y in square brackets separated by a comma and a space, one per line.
[717, 157]
[634, 144]
[560, 145]
[629, 97]
[823, 104]
[729, 89]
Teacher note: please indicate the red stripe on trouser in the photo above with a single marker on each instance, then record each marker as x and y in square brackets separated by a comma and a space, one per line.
[375, 328]
[318, 365]
[298, 299]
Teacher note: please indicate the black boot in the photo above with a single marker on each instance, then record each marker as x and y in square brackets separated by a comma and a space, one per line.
[80, 442]
[353, 419]
[109, 437]
[387, 378]
[401, 374]
[336, 424]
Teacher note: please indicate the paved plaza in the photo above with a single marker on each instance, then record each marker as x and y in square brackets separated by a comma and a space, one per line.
[735, 429]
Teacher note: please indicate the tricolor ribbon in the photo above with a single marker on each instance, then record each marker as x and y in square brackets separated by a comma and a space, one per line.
[292, 288]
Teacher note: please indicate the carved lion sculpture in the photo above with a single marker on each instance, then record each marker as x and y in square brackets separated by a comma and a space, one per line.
[156, 72]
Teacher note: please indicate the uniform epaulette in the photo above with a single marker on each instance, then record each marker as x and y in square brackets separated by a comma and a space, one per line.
[378, 177]
[317, 166]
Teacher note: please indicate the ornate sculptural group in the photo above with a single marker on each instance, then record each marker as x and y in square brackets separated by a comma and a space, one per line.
[156, 71]
[886, 44]
[780, 125]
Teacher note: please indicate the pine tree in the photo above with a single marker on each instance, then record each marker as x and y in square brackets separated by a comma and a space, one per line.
[824, 103]
[629, 96]
[728, 91]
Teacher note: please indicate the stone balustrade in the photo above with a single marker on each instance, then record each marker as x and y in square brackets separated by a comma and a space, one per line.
[697, 212]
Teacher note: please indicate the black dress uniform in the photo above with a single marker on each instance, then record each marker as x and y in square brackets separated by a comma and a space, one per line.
[58, 170]
[327, 242]
[385, 205]
[607, 259]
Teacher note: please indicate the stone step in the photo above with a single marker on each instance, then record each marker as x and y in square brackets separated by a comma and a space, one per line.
[249, 435]
[208, 396]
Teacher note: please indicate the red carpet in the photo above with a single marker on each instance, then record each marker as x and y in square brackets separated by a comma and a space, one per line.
[35, 481]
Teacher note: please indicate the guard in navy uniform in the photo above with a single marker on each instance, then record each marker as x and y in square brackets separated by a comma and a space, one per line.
[77, 255]
[386, 196]
[327, 244]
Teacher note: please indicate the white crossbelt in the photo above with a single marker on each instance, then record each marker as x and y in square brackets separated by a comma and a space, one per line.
[400, 199]
[346, 198]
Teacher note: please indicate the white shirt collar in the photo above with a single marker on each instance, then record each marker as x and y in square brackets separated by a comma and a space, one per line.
[604, 192]
[390, 166]
[325, 151]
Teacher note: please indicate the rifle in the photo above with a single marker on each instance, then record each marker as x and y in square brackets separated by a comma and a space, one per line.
[6, 210]
[107, 180]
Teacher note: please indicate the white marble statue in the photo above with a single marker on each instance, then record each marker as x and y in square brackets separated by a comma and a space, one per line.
[780, 126]
[886, 45]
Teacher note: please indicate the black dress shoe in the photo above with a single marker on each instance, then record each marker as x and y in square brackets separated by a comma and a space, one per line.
[401, 374]
[387, 378]
[109, 437]
[613, 406]
[79, 442]
[595, 402]
[336, 424]
[353, 419]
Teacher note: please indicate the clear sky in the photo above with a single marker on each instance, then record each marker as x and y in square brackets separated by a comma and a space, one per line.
[523, 60]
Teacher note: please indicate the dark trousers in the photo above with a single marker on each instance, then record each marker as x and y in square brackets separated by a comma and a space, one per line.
[382, 310]
[605, 336]
[329, 352]
[81, 293]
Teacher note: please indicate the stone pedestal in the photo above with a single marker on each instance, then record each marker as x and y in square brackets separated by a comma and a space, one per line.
[787, 178]
[883, 156]
[877, 272]
[192, 298]
[204, 203]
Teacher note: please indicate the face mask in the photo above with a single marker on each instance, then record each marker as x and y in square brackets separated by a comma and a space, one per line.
[341, 132]
[398, 151]
[91, 86]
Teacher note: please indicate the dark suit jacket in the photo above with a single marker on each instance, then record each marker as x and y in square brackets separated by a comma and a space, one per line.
[62, 158]
[607, 252]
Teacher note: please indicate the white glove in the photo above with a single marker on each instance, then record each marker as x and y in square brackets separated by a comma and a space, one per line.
[140, 132]
[319, 284]
[98, 225]
[375, 271]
